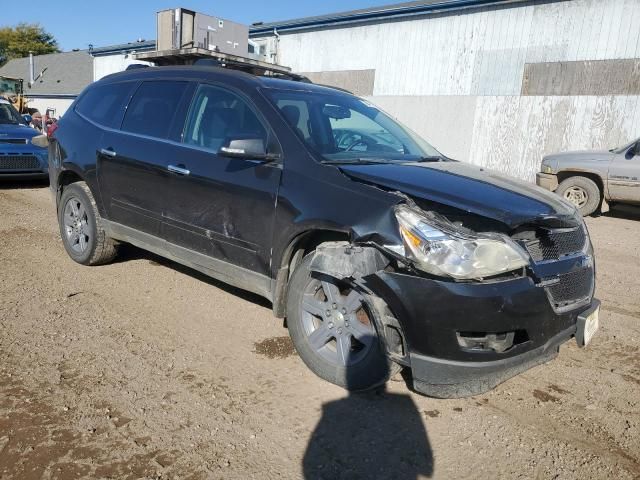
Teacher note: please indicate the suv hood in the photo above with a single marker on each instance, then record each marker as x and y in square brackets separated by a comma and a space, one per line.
[9, 130]
[469, 188]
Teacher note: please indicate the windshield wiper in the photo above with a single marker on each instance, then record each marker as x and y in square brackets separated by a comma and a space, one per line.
[358, 161]
[432, 158]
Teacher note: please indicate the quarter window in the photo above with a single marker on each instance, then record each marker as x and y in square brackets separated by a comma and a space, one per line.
[218, 116]
[104, 104]
[152, 108]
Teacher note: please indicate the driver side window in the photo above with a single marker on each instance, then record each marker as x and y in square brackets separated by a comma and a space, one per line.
[218, 116]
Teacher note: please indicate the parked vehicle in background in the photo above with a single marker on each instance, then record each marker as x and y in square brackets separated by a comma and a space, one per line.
[587, 178]
[380, 252]
[19, 157]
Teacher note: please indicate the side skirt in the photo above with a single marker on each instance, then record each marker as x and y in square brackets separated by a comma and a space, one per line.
[220, 270]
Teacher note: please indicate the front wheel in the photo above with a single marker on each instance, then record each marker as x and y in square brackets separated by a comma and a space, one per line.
[333, 331]
[83, 235]
[582, 192]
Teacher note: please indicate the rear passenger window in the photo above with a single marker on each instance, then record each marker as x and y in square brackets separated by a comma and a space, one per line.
[104, 104]
[152, 108]
[218, 116]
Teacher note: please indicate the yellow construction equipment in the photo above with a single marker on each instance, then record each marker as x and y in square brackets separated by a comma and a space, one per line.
[13, 90]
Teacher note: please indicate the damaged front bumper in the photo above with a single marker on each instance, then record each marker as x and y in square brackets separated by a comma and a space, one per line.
[463, 339]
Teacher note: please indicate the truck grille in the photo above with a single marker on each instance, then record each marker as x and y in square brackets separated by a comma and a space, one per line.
[19, 162]
[572, 288]
[555, 244]
[14, 141]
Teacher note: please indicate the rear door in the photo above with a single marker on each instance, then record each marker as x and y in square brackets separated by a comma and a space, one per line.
[223, 208]
[133, 161]
[624, 177]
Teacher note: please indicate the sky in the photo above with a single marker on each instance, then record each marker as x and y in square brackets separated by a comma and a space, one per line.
[78, 23]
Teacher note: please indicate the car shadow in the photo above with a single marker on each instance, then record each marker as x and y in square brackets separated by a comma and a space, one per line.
[128, 252]
[626, 212]
[18, 184]
[371, 435]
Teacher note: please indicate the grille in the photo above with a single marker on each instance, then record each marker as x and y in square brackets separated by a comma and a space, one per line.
[573, 288]
[555, 244]
[19, 162]
[14, 141]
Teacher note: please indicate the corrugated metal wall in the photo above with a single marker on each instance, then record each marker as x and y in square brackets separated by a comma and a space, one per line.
[459, 79]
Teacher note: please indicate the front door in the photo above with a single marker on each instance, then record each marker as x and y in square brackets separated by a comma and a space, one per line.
[219, 207]
[624, 176]
[133, 161]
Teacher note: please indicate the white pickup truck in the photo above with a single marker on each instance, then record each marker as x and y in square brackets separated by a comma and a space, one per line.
[587, 178]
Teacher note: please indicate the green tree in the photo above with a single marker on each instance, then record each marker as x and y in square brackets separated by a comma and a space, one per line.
[18, 41]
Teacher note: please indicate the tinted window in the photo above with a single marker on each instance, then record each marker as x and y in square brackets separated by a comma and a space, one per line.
[104, 104]
[152, 108]
[218, 116]
[8, 114]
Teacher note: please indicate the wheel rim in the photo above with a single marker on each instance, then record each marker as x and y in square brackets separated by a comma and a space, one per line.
[577, 195]
[76, 225]
[336, 323]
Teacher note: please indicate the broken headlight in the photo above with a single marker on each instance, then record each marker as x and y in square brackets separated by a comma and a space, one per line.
[438, 247]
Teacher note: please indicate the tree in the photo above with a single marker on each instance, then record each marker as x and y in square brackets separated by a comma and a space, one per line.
[18, 41]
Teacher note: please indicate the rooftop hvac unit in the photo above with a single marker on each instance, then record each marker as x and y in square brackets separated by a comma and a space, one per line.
[180, 28]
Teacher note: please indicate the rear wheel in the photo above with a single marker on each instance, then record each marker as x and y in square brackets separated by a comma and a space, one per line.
[582, 192]
[81, 229]
[333, 331]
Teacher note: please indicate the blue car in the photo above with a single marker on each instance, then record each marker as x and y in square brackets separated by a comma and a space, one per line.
[19, 157]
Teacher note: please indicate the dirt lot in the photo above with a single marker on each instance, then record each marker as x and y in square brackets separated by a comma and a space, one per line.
[144, 369]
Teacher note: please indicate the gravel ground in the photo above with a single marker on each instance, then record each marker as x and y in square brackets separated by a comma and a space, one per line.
[145, 369]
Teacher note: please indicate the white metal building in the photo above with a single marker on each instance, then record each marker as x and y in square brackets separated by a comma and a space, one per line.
[116, 58]
[496, 83]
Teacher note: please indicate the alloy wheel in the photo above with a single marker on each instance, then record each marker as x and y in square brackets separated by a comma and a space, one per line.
[336, 323]
[76, 225]
[577, 195]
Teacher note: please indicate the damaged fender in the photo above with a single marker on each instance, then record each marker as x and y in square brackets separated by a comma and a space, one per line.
[345, 261]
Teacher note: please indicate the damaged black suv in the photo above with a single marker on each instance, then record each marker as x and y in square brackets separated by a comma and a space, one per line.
[380, 252]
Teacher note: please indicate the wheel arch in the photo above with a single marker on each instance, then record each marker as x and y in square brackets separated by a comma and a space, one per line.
[65, 178]
[293, 254]
[594, 176]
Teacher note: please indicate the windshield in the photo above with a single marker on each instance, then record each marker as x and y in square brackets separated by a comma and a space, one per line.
[625, 147]
[8, 114]
[343, 128]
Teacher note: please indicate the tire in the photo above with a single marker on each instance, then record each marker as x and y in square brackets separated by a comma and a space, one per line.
[320, 338]
[81, 229]
[582, 192]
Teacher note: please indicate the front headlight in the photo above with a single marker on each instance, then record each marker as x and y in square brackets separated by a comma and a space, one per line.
[437, 248]
[547, 169]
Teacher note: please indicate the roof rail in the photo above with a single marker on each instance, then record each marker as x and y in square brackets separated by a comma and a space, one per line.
[136, 66]
[200, 56]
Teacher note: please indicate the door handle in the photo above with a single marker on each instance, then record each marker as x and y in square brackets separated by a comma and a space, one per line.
[178, 170]
[108, 152]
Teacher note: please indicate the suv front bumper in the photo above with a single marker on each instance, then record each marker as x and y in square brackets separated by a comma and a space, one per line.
[434, 314]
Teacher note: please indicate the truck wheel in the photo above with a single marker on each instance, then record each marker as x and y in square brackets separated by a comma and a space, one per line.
[83, 235]
[333, 332]
[582, 192]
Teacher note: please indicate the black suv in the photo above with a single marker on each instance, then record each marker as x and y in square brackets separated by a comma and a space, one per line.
[380, 252]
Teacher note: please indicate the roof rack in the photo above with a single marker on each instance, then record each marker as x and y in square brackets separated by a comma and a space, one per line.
[203, 57]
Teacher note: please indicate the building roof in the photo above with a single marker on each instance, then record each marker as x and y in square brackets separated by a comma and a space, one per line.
[405, 9]
[139, 46]
[66, 73]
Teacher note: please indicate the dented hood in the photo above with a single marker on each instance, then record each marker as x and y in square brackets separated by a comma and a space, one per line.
[471, 189]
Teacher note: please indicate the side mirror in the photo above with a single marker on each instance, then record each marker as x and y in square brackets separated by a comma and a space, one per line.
[633, 151]
[27, 119]
[248, 149]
